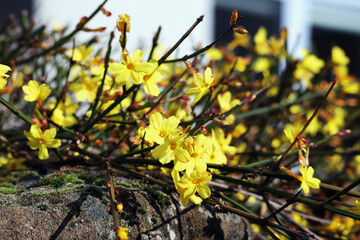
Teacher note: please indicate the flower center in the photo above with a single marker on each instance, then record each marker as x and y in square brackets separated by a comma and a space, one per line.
[195, 181]
[130, 66]
[162, 133]
[194, 155]
[146, 78]
[173, 146]
[41, 140]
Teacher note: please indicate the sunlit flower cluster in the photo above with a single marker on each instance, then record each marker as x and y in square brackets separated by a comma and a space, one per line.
[254, 128]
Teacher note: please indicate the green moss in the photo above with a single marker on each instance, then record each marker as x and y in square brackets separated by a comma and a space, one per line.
[66, 209]
[14, 176]
[154, 190]
[60, 191]
[100, 181]
[162, 198]
[58, 179]
[43, 206]
[67, 175]
[154, 219]
[7, 188]
[88, 178]
[142, 210]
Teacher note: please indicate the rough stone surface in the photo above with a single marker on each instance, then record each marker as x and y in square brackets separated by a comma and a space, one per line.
[78, 211]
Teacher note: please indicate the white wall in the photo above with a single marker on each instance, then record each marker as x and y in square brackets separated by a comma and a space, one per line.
[175, 17]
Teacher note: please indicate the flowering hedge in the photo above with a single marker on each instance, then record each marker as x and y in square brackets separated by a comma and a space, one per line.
[263, 135]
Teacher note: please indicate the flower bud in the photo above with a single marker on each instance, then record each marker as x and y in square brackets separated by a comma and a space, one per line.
[191, 70]
[104, 11]
[234, 17]
[241, 31]
[344, 132]
[220, 122]
[204, 130]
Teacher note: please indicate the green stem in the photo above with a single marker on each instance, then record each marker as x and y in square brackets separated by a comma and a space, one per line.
[255, 218]
[342, 192]
[232, 201]
[322, 103]
[100, 89]
[15, 111]
[90, 124]
[288, 203]
[134, 153]
[306, 201]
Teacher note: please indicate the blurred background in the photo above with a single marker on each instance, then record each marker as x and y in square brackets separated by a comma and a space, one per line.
[312, 24]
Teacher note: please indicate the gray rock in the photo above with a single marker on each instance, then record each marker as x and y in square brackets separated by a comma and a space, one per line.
[79, 212]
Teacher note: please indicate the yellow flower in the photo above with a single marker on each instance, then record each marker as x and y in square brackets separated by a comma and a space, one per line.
[239, 40]
[34, 92]
[159, 128]
[3, 161]
[335, 123]
[42, 140]
[12, 163]
[97, 66]
[122, 20]
[216, 155]
[63, 115]
[226, 104]
[356, 209]
[149, 82]
[184, 201]
[169, 149]
[87, 87]
[307, 179]
[239, 130]
[3, 76]
[195, 156]
[196, 183]
[214, 54]
[131, 67]
[81, 53]
[122, 233]
[338, 56]
[260, 39]
[202, 84]
[241, 63]
[219, 137]
[306, 69]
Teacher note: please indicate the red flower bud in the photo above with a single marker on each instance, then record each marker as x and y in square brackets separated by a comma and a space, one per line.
[104, 11]
[234, 17]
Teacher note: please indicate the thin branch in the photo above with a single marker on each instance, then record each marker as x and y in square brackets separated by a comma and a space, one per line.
[63, 40]
[177, 44]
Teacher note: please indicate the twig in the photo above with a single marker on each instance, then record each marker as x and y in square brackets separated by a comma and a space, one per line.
[63, 40]
[177, 44]
[288, 203]
[112, 196]
[100, 89]
[342, 192]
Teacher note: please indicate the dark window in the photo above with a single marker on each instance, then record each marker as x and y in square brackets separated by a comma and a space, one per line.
[14, 7]
[324, 39]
